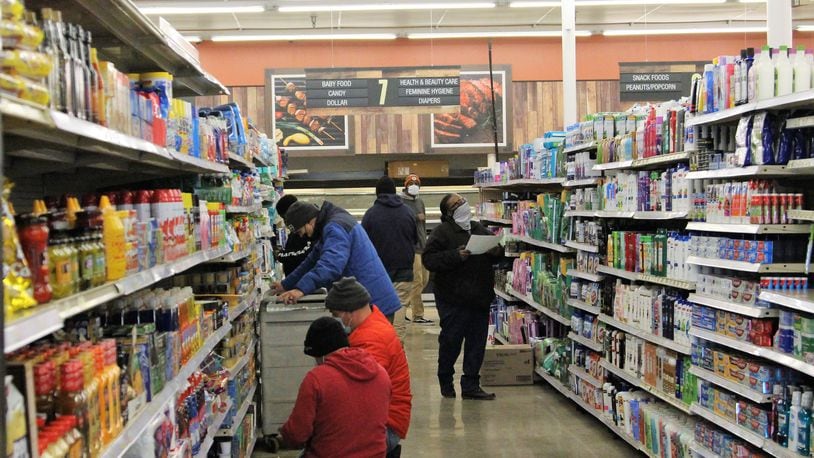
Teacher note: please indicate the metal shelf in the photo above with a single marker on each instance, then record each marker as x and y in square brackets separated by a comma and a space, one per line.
[754, 350]
[659, 215]
[243, 209]
[238, 420]
[234, 256]
[802, 167]
[581, 183]
[803, 301]
[621, 273]
[742, 172]
[747, 266]
[260, 161]
[139, 423]
[773, 448]
[584, 275]
[537, 306]
[741, 309]
[580, 147]
[522, 183]
[584, 375]
[617, 165]
[542, 244]
[663, 159]
[737, 388]
[577, 304]
[666, 281]
[728, 425]
[775, 103]
[580, 213]
[582, 246]
[85, 144]
[556, 384]
[614, 214]
[32, 324]
[585, 342]
[241, 162]
[213, 428]
[703, 452]
[749, 228]
[489, 219]
[505, 296]
[802, 215]
[646, 335]
[635, 381]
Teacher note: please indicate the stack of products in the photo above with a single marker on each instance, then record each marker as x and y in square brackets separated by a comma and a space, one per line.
[236, 188]
[754, 417]
[586, 231]
[531, 277]
[795, 335]
[583, 199]
[590, 362]
[654, 310]
[758, 331]
[752, 373]
[515, 324]
[541, 219]
[26, 62]
[663, 254]
[588, 262]
[580, 165]
[539, 160]
[747, 202]
[496, 209]
[586, 291]
[746, 291]
[784, 250]
[647, 191]
[587, 325]
[218, 280]
[723, 443]
[553, 355]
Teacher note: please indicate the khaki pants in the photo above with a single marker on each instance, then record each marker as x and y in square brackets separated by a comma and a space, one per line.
[420, 279]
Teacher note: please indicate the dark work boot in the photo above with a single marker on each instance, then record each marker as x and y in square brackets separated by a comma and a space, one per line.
[448, 391]
[478, 394]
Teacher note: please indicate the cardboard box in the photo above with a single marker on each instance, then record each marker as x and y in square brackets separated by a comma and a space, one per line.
[507, 365]
[432, 168]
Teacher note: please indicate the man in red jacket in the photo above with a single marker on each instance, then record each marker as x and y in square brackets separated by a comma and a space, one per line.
[369, 329]
[342, 405]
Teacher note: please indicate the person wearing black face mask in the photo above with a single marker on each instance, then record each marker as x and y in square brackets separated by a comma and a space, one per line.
[464, 289]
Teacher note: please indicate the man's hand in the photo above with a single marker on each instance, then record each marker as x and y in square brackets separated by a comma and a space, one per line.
[463, 252]
[291, 297]
[496, 251]
[277, 287]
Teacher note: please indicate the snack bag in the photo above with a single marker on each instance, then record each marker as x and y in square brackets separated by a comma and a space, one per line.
[18, 293]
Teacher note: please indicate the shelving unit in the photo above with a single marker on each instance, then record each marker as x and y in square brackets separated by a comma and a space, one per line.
[241, 412]
[732, 114]
[521, 184]
[747, 266]
[584, 275]
[580, 183]
[730, 426]
[241, 363]
[749, 228]
[802, 301]
[539, 243]
[742, 309]
[497, 221]
[234, 256]
[585, 342]
[756, 171]
[584, 375]
[582, 246]
[577, 304]
[737, 388]
[646, 278]
[645, 335]
[635, 381]
[139, 423]
[505, 296]
[243, 209]
[213, 429]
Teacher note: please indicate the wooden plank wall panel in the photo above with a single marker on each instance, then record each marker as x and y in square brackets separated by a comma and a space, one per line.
[536, 105]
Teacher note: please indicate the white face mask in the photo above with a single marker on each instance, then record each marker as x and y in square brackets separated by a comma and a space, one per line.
[412, 189]
[463, 216]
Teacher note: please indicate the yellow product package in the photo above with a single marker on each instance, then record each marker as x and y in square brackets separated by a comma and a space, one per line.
[13, 10]
[19, 35]
[35, 92]
[31, 64]
[18, 293]
[11, 85]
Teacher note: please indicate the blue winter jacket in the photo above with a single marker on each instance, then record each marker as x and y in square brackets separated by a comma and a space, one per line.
[343, 249]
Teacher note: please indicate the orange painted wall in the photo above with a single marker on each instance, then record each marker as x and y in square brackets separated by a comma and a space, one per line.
[243, 64]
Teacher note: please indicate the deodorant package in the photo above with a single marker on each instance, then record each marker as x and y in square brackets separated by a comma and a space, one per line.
[762, 139]
[743, 142]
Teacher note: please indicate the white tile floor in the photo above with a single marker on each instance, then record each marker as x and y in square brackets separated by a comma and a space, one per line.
[524, 421]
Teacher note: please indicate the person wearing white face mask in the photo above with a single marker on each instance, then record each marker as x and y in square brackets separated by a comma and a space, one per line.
[463, 284]
[412, 186]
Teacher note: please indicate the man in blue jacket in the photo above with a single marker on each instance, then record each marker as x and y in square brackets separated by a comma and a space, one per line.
[341, 248]
[390, 225]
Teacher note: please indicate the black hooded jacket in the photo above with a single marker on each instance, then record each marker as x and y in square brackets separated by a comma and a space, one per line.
[391, 227]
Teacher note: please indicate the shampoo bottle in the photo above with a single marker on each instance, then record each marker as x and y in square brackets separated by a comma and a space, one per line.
[804, 425]
[748, 77]
[737, 83]
[782, 436]
[784, 72]
[794, 419]
[802, 70]
[764, 75]
[709, 88]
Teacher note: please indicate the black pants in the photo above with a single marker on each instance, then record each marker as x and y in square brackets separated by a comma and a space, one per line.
[465, 325]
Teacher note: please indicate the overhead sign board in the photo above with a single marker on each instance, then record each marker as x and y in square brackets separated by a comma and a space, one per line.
[654, 86]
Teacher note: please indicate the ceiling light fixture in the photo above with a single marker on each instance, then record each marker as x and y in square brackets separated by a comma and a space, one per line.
[172, 10]
[534, 4]
[805, 28]
[386, 7]
[644, 3]
[752, 1]
[501, 34]
[636, 32]
[301, 37]
[192, 38]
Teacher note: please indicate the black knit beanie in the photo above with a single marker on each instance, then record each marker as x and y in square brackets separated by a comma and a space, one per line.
[347, 295]
[298, 215]
[325, 335]
[284, 203]
[385, 185]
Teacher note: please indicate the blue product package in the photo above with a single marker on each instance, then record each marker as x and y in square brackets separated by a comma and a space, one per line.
[196, 136]
[784, 149]
[768, 140]
[800, 147]
[743, 141]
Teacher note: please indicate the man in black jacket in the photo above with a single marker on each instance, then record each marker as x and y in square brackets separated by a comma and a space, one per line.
[296, 248]
[464, 289]
[391, 227]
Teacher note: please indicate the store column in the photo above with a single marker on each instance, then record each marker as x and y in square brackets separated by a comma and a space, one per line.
[569, 62]
[778, 23]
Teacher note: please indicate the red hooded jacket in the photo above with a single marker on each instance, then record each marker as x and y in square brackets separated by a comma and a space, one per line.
[378, 337]
[341, 408]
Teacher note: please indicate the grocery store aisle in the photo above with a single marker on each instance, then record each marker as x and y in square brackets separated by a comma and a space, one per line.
[524, 421]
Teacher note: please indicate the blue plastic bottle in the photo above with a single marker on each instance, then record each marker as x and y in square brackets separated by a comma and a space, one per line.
[709, 88]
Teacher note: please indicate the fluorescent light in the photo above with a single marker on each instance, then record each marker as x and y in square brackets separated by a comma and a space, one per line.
[299, 37]
[534, 4]
[634, 32]
[805, 28]
[644, 3]
[386, 7]
[752, 1]
[170, 10]
[486, 34]
[192, 38]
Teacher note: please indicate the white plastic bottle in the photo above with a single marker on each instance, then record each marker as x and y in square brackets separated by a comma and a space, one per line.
[784, 72]
[810, 61]
[802, 70]
[794, 413]
[765, 75]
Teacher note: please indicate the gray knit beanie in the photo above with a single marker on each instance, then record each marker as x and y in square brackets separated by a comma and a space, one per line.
[347, 295]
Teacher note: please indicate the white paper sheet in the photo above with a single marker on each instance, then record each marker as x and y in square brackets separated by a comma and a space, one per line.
[479, 244]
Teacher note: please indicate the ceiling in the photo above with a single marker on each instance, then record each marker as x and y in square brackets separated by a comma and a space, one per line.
[647, 14]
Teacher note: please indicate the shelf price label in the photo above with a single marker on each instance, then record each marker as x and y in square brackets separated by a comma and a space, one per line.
[384, 90]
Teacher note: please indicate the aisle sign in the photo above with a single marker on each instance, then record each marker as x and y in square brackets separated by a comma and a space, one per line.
[383, 90]
[654, 86]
